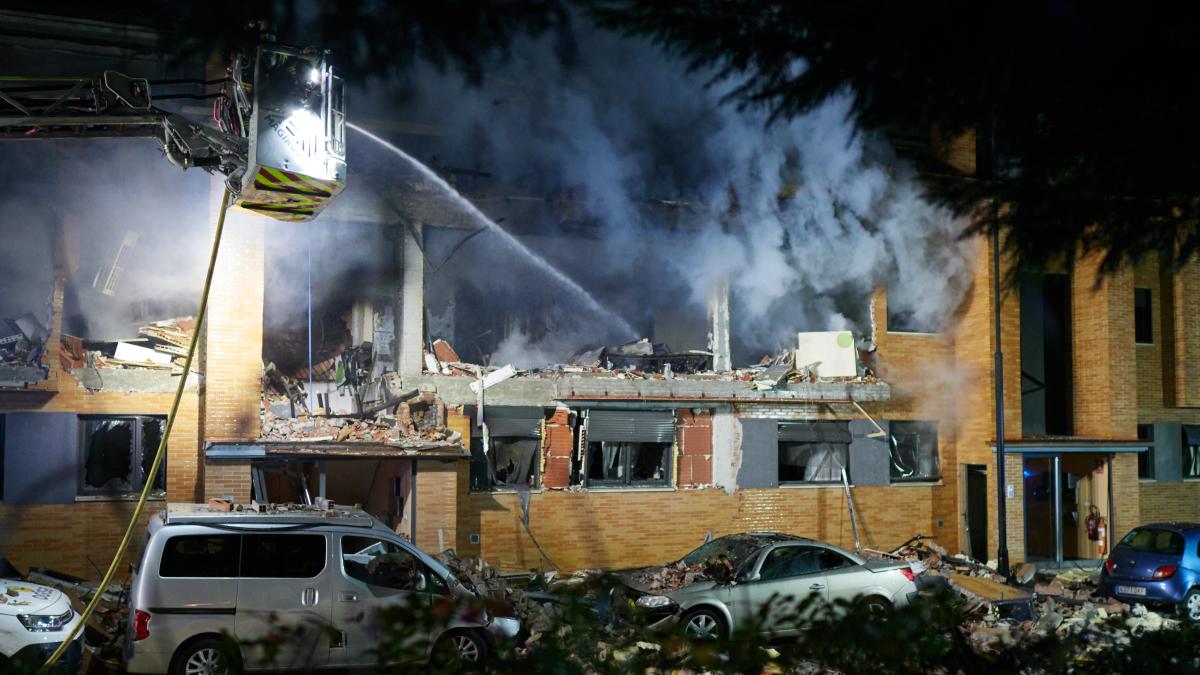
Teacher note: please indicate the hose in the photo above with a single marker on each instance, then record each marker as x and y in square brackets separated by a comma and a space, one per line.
[162, 445]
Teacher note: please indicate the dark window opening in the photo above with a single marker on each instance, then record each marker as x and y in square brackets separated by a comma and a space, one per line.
[1143, 322]
[283, 556]
[914, 451]
[908, 322]
[1046, 389]
[200, 555]
[814, 452]
[1191, 451]
[1145, 432]
[118, 453]
[628, 463]
[511, 462]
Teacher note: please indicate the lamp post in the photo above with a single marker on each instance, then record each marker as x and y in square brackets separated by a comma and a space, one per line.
[998, 374]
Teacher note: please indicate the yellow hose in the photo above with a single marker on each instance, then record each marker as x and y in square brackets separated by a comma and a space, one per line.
[162, 445]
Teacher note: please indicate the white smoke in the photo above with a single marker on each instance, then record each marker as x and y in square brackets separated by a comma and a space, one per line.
[805, 216]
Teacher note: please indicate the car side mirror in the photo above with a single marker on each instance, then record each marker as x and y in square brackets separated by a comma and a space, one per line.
[420, 581]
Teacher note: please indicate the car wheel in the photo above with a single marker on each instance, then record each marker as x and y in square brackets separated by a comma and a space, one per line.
[1191, 605]
[704, 623]
[876, 606]
[203, 657]
[462, 650]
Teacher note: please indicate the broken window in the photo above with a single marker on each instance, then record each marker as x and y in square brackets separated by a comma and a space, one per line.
[813, 452]
[118, 453]
[914, 451]
[514, 439]
[381, 563]
[510, 463]
[1191, 451]
[628, 447]
[610, 463]
[1143, 323]
[1145, 432]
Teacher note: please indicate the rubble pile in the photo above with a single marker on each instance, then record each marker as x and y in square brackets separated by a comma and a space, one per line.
[105, 630]
[22, 341]
[1063, 603]
[162, 345]
[408, 425]
[645, 360]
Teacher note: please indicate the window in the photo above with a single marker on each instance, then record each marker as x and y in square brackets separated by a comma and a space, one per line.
[832, 560]
[813, 452]
[382, 563]
[1150, 540]
[200, 556]
[628, 463]
[1145, 432]
[790, 561]
[914, 451]
[511, 462]
[1191, 451]
[283, 556]
[901, 320]
[118, 453]
[1143, 322]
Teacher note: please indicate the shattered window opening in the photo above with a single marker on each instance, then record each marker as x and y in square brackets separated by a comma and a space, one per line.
[914, 451]
[510, 463]
[611, 463]
[382, 564]
[813, 452]
[117, 453]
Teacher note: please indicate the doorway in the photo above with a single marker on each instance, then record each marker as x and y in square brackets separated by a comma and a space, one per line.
[1061, 491]
[977, 510]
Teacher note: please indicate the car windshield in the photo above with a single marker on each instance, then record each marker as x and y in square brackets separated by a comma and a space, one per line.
[735, 547]
[1151, 540]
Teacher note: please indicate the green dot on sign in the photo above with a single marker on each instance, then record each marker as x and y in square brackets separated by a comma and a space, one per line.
[844, 340]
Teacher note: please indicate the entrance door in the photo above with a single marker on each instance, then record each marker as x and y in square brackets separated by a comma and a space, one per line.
[977, 510]
[1061, 491]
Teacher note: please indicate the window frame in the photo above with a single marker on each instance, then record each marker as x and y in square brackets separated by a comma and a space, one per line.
[1145, 432]
[434, 583]
[1185, 449]
[1141, 321]
[137, 476]
[845, 453]
[480, 462]
[626, 465]
[893, 447]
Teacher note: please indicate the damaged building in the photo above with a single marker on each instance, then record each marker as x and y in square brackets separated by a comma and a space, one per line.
[384, 385]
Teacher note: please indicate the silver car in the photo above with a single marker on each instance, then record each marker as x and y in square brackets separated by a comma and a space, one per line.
[295, 588]
[768, 574]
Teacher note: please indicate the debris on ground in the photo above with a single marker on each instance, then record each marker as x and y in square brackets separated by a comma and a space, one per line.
[161, 345]
[105, 631]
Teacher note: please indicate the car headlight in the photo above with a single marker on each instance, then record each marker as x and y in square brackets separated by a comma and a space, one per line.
[45, 623]
[654, 601]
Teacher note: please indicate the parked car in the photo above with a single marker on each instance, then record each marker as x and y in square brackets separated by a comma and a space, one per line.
[302, 587]
[34, 621]
[1157, 564]
[770, 573]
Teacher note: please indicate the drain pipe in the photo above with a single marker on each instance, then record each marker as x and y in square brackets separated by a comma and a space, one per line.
[998, 374]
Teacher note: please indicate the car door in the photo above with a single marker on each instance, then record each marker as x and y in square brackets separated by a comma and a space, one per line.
[846, 579]
[283, 600]
[776, 595]
[376, 574]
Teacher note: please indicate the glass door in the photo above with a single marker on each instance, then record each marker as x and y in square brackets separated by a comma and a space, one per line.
[1041, 535]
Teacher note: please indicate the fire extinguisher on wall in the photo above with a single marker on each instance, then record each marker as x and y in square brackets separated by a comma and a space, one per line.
[1093, 524]
[1101, 530]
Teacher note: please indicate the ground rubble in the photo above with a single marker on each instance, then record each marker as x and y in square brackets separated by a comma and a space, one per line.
[1065, 603]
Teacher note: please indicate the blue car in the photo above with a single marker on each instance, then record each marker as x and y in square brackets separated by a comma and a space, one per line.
[1157, 564]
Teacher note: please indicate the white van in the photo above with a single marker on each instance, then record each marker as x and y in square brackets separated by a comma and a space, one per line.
[315, 578]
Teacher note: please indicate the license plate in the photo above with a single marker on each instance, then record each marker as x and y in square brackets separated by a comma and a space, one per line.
[1131, 590]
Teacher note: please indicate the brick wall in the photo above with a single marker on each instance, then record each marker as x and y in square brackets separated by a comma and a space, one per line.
[1104, 363]
[78, 539]
[557, 448]
[625, 528]
[233, 342]
[1185, 320]
[693, 437]
[227, 479]
[1161, 502]
[437, 504]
